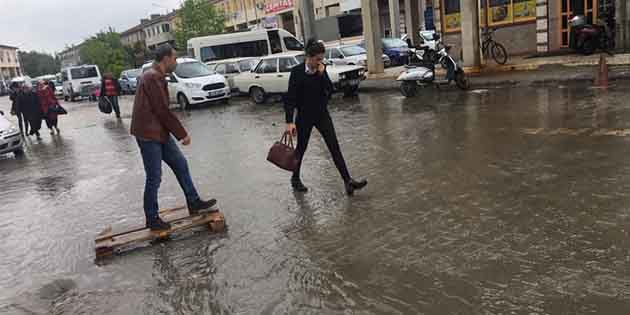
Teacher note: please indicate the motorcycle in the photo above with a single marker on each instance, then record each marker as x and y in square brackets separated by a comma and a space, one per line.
[424, 73]
[590, 37]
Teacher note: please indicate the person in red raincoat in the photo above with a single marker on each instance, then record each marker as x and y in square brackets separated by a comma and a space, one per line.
[47, 102]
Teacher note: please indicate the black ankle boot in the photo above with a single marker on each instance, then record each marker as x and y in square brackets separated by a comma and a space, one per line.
[158, 225]
[201, 206]
[353, 185]
[297, 185]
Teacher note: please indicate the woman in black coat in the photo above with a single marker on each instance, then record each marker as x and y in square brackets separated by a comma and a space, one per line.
[28, 104]
[309, 91]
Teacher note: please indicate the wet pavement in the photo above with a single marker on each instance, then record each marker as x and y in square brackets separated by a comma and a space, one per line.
[467, 211]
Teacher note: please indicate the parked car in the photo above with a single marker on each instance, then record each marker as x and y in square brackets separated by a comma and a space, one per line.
[80, 81]
[4, 88]
[10, 138]
[194, 83]
[230, 68]
[396, 49]
[128, 81]
[353, 55]
[271, 76]
[58, 88]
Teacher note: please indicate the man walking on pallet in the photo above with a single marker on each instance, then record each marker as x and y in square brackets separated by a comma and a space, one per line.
[154, 125]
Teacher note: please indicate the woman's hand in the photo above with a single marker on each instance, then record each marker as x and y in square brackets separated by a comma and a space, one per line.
[291, 129]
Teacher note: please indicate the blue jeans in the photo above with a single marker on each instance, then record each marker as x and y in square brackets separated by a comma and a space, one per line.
[153, 153]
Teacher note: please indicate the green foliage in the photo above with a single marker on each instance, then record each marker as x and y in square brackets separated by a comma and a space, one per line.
[197, 18]
[36, 64]
[107, 52]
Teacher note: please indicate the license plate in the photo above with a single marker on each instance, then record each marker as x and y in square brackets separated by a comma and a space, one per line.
[354, 82]
[215, 93]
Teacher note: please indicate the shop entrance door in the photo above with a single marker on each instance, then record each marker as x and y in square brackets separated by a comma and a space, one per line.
[571, 8]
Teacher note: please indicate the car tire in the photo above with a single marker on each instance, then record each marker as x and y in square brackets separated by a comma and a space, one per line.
[19, 152]
[183, 102]
[66, 98]
[258, 95]
[350, 91]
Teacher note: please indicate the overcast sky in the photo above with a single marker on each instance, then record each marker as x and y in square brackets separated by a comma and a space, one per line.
[50, 25]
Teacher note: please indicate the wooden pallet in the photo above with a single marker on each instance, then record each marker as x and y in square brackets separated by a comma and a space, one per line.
[107, 242]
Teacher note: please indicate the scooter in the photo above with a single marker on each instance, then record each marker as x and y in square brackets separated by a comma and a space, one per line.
[590, 37]
[424, 74]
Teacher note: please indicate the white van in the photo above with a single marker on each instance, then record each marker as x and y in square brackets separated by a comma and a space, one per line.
[80, 81]
[255, 43]
[192, 83]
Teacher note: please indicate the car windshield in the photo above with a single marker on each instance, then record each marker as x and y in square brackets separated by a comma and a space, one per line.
[83, 73]
[247, 65]
[353, 51]
[394, 43]
[193, 69]
[131, 74]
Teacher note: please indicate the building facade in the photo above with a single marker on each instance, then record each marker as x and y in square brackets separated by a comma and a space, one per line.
[71, 56]
[9, 63]
[134, 35]
[159, 30]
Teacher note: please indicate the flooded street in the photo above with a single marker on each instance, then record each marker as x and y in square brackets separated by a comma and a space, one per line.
[499, 201]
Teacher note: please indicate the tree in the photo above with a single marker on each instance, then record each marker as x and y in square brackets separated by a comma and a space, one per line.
[197, 18]
[36, 63]
[107, 52]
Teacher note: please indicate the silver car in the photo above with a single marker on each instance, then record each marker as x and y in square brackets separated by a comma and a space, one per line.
[10, 138]
[230, 68]
[353, 55]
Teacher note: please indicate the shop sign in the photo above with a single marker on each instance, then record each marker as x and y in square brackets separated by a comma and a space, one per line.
[274, 6]
[270, 22]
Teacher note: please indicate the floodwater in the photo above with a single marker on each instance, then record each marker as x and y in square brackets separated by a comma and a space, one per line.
[498, 201]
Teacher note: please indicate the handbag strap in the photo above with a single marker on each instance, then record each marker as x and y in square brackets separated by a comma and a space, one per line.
[287, 139]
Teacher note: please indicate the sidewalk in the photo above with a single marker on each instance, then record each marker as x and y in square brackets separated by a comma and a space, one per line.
[527, 71]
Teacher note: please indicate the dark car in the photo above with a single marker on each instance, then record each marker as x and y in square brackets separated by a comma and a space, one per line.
[396, 49]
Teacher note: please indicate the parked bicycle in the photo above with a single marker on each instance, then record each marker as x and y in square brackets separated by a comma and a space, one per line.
[492, 48]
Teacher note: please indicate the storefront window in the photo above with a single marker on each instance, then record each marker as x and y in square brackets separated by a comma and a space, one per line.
[452, 15]
[499, 12]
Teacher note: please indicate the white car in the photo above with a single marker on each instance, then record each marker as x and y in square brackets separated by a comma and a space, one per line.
[351, 55]
[194, 83]
[230, 68]
[271, 76]
[80, 81]
[10, 138]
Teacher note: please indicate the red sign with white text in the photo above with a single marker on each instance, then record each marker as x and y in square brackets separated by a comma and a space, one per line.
[278, 5]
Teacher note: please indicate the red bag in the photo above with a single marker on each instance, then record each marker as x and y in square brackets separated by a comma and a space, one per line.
[282, 154]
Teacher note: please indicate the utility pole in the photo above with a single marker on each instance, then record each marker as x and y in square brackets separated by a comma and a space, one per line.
[308, 19]
[394, 18]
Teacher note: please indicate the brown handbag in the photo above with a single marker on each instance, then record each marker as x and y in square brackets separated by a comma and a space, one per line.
[282, 154]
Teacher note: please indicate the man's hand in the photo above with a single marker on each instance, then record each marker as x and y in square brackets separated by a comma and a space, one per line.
[186, 141]
[291, 129]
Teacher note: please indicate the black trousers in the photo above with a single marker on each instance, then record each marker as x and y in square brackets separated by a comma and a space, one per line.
[325, 126]
[51, 122]
[22, 123]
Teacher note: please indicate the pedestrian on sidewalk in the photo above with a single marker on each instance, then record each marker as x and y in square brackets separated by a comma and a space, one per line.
[154, 125]
[310, 89]
[28, 104]
[48, 103]
[14, 91]
[110, 88]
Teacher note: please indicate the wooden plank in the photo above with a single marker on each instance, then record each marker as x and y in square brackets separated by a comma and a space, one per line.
[167, 215]
[105, 246]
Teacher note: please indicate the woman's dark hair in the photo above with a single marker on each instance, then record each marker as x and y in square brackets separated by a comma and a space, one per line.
[314, 47]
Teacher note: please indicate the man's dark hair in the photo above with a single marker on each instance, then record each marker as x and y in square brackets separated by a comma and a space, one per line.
[314, 47]
[164, 50]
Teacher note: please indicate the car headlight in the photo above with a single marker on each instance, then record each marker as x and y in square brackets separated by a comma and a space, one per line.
[362, 62]
[342, 76]
[12, 129]
[361, 72]
[193, 85]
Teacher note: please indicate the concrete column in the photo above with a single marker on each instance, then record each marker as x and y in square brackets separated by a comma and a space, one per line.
[412, 20]
[297, 21]
[470, 33]
[422, 6]
[372, 35]
[542, 26]
[308, 19]
[623, 25]
[437, 16]
[394, 17]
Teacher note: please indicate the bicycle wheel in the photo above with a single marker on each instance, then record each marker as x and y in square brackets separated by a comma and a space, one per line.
[499, 54]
